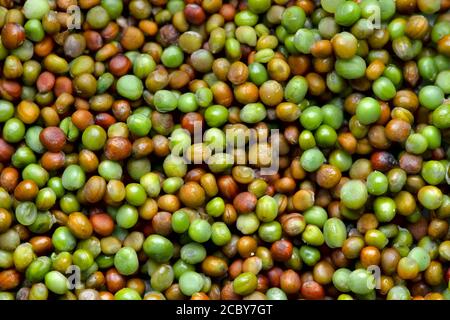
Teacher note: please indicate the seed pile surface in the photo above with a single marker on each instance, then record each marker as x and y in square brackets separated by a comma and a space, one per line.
[212, 149]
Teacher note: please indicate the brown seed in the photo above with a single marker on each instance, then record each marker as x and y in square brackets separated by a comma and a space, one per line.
[53, 160]
[312, 290]
[397, 130]
[238, 73]
[6, 151]
[246, 246]
[366, 222]
[10, 90]
[328, 176]
[290, 282]
[227, 292]
[293, 224]
[26, 190]
[6, 219]
[377, 137]
[162, 223]
[281, 250]
[389, 260]
[323, 272]
[45, 82]
[194, 14]
[214, 266]
[168, 36]
[53, 139]
[9, 279]
[13, 35]
[132, 38]
[94, 189]
[118, 148]
[228, 187]
[119, 65]
[192, 120]
[142, 147]
[419, 229]
[437, 228]
[79, 225]
[382, 161]
[102, 224]
[245, 202]
[94, 40]
[192, 194]
[274, 276]
[41, 245]
[104, 120]
[9, 178]
[114, 280]
[369, 256]
[303, 200]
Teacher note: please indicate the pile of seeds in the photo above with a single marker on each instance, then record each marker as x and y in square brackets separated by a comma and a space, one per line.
[209, 149]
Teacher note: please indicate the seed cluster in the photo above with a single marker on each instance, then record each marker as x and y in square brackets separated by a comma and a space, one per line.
[212, 149]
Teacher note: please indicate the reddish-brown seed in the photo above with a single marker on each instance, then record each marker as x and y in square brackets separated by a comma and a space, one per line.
[53, 139]
[79, 225]
[290, 282]
[246, 246]
[281, 250]
[235, 269]
[82, 119]
[418, 229]
[45, 82]
[383, 161]
[194, 14]
[114, 280]
[94, 40]
[227, 292]
[274, 276]
[9, 89]
[192, 120]
[62, 85]
[104, 120]
[13, 35]
[9, 279]
[9, 178]
[94, 190]
[53, 160]
[410, 163]
[162, 223]
[132, 38]
[121, 109]
[168, 35]
[263, 283]
[328, 176]
[26, 190]
[117, 148]
[245, 202]
[227, 11]
[312, 290]
[119, 65]
[228, 187]
[41, 245]
[397, 130]
[102, 224]
[6, 151]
